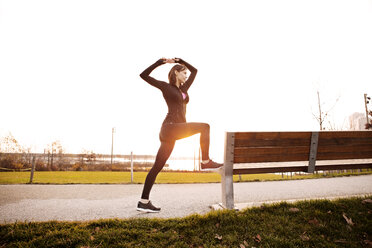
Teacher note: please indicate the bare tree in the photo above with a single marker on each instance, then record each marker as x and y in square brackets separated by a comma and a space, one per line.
[55, 152]
[89, 156]
[322, 115]
[9, 144]
[11, 153]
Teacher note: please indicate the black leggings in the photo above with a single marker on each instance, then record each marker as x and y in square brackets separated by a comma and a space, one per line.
[169, 133]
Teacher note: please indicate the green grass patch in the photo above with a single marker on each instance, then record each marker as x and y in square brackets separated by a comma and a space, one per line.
[109, 177]
[317, 223]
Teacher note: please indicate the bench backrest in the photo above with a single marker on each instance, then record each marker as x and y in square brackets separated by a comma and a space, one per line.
[255, 147]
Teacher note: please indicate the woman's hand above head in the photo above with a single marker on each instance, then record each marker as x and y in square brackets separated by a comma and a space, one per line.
[179, 61]
[168, 60]
[163, 60]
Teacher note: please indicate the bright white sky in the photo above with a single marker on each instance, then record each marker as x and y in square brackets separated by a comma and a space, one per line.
[69, 70]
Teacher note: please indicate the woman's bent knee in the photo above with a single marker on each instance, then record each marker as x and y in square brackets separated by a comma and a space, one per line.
[206, 127]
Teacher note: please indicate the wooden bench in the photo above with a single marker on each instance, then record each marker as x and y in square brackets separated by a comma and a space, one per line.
[308, 147]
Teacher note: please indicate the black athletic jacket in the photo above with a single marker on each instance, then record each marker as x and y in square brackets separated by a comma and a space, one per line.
[171, 93]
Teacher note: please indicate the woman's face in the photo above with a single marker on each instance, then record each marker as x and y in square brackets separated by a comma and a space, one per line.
[181, 76]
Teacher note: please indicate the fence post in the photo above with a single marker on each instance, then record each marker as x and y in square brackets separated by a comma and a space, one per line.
[131, 167]
[32, 168]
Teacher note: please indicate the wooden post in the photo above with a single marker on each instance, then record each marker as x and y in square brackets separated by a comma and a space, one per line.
[131, 167]
[112, 145]
[33, 168]
[227, 172]
[199, 159]
[194, 162]
[365, 104]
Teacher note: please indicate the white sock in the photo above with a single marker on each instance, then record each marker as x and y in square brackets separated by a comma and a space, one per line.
[144, 201]
[205, 161]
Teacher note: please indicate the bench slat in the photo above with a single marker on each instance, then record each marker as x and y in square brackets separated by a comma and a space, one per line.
[301, 168]
[346, 148]
[344, 141]
[270, 170]
[252, 139]
[344, 134]
[263, 143]
[248, 151]
[271, 158]
[343, 155]
[271, 135]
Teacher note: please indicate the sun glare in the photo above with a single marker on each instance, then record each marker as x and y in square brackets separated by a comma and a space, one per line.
[187, 148]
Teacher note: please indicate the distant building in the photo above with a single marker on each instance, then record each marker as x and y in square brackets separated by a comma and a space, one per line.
[357, 121]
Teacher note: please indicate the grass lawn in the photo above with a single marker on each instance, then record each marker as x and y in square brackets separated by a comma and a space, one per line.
[319, 223]
[97, 177]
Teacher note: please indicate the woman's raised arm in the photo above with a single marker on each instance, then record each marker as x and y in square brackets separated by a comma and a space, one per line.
[145, 75]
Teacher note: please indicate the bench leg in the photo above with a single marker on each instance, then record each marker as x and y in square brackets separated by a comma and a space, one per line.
[227, 186]
[227, 172]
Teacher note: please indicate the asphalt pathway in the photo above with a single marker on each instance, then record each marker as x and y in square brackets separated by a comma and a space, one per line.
[23, 203]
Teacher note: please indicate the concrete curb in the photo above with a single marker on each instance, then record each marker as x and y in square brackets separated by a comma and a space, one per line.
[245, 205]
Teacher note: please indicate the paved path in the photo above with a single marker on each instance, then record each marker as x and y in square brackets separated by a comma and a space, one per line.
[88, 202]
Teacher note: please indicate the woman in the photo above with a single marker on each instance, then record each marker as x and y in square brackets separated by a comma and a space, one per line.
[174, 126]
